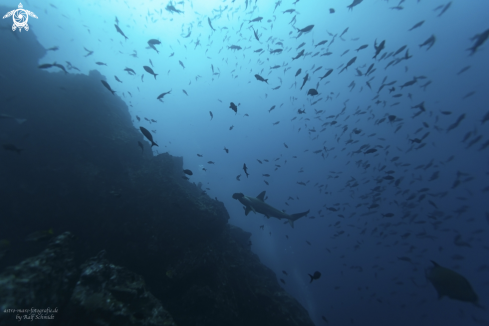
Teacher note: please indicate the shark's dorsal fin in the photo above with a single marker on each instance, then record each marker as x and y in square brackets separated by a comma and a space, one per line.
[261, 196]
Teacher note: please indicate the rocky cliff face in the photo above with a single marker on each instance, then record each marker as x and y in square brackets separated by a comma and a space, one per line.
[81, 170]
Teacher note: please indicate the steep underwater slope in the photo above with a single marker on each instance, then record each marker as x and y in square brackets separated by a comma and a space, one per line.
[81, 170]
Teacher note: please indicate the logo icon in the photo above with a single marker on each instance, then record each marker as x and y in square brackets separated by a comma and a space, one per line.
[20, 17]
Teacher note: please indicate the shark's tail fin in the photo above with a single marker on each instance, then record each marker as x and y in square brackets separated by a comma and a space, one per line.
[295, 217]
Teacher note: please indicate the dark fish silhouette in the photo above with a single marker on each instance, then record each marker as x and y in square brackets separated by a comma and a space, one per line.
[479, 40]
[260, 78]
[210, 24]
[354, 4]
[305, 80]
[148, 135]
[257, 19]
[234, 107]
[316, 276]
[45, 66]
[312, 92]
[130, 71]
[362, 47]
[120, 31]
[89, 52]
[417, 25]
[326, 74]
[107, 86]
[150, 71]
[378, 48]
[300, 54]
[306, 29]
[188, 172]
[163, 95]
[245, 169]
[429, 42]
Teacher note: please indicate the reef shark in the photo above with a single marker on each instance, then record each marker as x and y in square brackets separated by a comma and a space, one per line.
[258, 205]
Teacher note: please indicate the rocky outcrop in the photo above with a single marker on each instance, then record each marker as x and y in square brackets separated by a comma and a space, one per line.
[81, 170]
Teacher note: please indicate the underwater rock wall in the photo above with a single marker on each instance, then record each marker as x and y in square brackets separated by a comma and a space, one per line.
[81, 170]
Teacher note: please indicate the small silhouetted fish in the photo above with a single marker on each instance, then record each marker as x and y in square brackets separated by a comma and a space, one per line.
[107, 86]
[154, 41]
[148, 135]
[388, 215]
[417, 25]
[45, 66]
[212, 116]
[181, 64]
[101, 63]
[13, 148]
[306, 77]
[210, 24]
[245, 169]
[260, 78]
[141, 145]
[227, 150]
[316, 276]
[233, 107]
[150, 71]
[312, 92]
[326, 74]
[372, 150]
[331, 11]
[285, 272]
[281, 280]
[120, 31]
[362, 47]
[238, 176]
[162, 95]
[188, 172]
[130, 71]
[60, 66]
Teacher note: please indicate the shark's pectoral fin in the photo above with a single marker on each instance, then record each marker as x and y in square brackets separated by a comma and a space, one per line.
[247, 210]
[291, 222]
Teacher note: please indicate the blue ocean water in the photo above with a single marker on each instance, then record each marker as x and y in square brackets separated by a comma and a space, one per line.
[376, 219]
